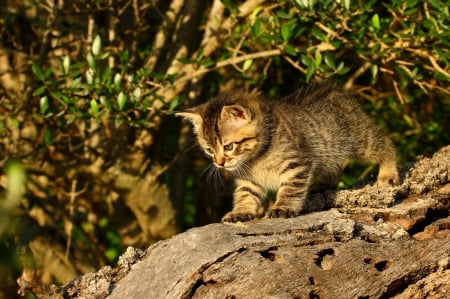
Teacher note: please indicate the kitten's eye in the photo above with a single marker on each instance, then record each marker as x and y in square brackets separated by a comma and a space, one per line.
[228, 147]
[209, 150]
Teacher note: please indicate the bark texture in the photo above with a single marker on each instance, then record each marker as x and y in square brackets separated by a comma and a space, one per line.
[373, 244]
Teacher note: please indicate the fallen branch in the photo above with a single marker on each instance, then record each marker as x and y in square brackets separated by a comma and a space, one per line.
[396, 246]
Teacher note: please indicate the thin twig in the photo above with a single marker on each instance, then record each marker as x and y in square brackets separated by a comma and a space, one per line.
[226, 62]
[361, 70]
[73, 194]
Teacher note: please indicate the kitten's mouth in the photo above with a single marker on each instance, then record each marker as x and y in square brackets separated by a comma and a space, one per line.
[229, 165]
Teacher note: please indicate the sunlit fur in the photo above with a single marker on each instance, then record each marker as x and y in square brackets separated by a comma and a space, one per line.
[288, 145]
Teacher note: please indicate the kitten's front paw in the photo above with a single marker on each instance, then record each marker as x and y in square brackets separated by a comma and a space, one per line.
[234, 217]
[282, 212]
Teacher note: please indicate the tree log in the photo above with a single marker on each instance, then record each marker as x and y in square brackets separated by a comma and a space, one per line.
[372, 244]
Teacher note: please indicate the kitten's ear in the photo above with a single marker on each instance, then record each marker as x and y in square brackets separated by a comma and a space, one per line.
[237, 114]
[193, 115]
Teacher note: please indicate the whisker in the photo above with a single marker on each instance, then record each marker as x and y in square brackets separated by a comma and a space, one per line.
[244, 169]
[207, 172]
[213, 176]
[218, 180]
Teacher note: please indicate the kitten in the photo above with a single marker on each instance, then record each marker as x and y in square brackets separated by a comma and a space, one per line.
[288, 145]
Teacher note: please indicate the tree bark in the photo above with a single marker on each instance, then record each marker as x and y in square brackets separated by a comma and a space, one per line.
[397, 246]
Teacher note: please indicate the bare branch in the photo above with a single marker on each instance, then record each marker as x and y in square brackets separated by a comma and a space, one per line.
[214, 20]
[161, 37]
[190, 72]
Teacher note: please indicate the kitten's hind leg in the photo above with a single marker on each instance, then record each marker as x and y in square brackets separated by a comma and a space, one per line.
[294, 188]
[388, 174]
[247, 201]
[382, 151]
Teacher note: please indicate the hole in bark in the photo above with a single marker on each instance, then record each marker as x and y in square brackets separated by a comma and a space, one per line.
[242, 249]
[315, 294]
[324, 252]
[383, 265]
[268, 254]
[379, 216]
[313, 281]
[370, 261]
[380, 266]
[363, 297]
[369, 238]
[210, 282]
[321, 255]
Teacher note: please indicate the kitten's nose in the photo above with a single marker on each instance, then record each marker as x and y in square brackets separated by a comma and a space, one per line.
[220, 160]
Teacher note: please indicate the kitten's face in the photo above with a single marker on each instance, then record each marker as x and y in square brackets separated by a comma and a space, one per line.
[230, 137]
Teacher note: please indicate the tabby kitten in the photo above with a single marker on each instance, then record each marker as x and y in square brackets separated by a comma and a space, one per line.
[288, 145]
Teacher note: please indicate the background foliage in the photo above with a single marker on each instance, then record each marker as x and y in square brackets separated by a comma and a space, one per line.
[93, 159]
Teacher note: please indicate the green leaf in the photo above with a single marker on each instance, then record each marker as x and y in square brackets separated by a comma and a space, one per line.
[90, 76]
[117, 79]
[174, 103]
[408, 120]
[105, 102]
[124, 57]
[71, 119]
[111, 253]
[207, 63]
[309, 72]
[247, 64]
[318, 59]
[137, 93]
[286, 31]
[341, 69]
[103, 55]
[172, 77]
[310, 67]
[62, 96]
[16, 180]
[94, 108]
[347, 4]
[39, 91]
[200, 55]
[319, 34]
[48, 136]
[121, 100]
[66, 64]
[43, 105]
[96, 45]
[283, 14]
[256, 30]
[105, 77]
[329, 61]
[376, 22]
[306, 3]
[289, 49]
[48, 72]
[37, 70]
[186, 60]
[90, 60]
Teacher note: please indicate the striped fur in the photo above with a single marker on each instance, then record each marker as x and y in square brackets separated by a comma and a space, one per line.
[288, 145]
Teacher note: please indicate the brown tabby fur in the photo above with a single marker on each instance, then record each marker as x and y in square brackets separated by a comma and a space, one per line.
[288, 145]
